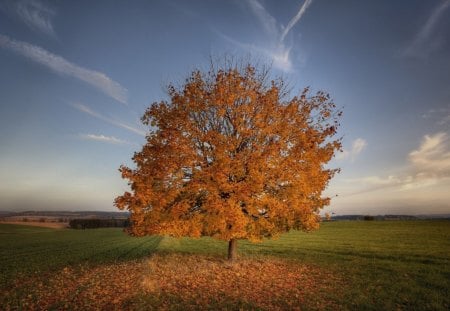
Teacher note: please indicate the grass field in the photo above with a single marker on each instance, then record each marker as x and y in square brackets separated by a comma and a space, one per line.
[377, 265]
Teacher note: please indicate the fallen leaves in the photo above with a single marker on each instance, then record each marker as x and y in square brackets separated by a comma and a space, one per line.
[78, 288]
[175, 281]
[272, 284]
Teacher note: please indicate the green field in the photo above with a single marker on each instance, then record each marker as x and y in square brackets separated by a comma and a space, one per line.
[387, 264]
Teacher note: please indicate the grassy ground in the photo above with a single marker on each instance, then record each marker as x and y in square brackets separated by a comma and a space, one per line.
[346, 265]
[27, 250]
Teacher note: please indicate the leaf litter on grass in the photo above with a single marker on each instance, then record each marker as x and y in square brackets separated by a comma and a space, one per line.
[180, 281]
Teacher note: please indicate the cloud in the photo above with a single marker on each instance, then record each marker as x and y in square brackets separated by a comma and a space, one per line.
[428, 165]
[279, 56]
[418, 186]
[89, 111]
[36, 15]
[33, 13]
[423, 42]
[102, 138]
[380, 181]
[432, 158]
[445, 120]
[60, 65]
[296, 18]
[275, 49]
[268, 21]
[356, 186]
[439, 115]
[358, 145]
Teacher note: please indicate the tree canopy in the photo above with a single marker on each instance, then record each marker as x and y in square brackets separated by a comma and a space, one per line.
[230, 155]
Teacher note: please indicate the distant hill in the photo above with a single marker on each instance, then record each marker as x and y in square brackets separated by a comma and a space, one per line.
[390, 217]
[434, 216]
[66, 214]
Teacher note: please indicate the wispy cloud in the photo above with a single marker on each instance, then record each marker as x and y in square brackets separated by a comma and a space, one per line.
[441, 116]
[380, 181]
[89, 111]
[432, 158]
[33, 13]
[267, 21]
[426, 166]
[103, 138]
[444, 120]
[276, 49]
[358, 145]
[296, 18]
[279, 56]
[62, 66]
[423, 42]
[36, 15]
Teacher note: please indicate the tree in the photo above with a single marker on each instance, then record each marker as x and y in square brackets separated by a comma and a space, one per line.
[230, 156]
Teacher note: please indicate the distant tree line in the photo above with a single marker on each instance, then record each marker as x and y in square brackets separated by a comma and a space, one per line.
[92, 223]
[377, 217]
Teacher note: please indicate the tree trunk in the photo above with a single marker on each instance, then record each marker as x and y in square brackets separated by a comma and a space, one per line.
[232, 244]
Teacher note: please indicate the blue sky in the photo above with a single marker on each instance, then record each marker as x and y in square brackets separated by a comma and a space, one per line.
[77, 75]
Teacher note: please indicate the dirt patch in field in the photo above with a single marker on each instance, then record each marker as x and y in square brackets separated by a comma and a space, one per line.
[180, 282]
[53, 225]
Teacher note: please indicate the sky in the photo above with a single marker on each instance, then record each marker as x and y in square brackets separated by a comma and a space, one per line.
[76, 76]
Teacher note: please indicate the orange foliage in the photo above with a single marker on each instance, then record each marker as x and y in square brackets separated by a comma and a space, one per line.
[232, 157]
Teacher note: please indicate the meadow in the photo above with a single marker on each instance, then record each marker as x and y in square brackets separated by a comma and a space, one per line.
[345, 265]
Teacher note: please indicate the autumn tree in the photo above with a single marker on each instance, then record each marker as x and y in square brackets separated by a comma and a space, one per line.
[231, 156]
